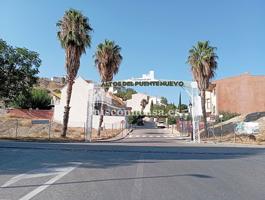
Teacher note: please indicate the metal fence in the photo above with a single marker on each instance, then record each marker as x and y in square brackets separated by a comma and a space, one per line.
[49, 130]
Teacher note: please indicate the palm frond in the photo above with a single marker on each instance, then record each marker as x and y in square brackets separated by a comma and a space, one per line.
[108, 59]
[203, 61]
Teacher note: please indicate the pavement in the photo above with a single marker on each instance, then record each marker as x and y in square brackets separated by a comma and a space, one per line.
[146, 167]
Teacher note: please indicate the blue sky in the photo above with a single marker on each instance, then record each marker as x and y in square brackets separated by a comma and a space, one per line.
[153, 34]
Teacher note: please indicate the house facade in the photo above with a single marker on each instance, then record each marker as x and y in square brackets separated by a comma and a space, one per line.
[80, 100]
[135, 102]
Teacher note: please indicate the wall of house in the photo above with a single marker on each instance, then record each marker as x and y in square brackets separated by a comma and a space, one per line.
[78, 104]
[110, 122]
[210, 102]
[242, 94]
[135, 102]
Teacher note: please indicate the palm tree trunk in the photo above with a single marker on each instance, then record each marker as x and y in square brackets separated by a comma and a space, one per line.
[67, 107]
[204, 112]
[102, 113]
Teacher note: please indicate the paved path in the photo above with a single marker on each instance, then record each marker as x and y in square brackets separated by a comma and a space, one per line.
[149, 133]
[131, 169]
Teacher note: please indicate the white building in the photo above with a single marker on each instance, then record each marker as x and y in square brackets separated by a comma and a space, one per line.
[210, 100]
[135, 102]
[82, 89]
[150, 76]
[58, 79]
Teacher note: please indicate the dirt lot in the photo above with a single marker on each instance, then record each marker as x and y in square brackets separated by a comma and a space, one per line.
[23, 129]
[224, 132]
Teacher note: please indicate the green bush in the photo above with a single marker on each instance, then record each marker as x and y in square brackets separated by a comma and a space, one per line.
[36, 98]
[132, 119]
[172, 120]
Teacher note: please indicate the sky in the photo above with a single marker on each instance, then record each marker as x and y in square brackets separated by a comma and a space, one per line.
[153, 34]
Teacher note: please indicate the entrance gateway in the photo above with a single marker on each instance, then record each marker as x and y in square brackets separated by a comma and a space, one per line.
[190, 87]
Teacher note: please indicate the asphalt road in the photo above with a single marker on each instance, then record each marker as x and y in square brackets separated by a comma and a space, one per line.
[132, 169]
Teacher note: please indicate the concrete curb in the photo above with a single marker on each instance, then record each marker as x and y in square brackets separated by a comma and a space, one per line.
[117, 138]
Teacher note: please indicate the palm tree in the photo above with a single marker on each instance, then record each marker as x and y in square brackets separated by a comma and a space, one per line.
[74, 36]
[107, 59]
[202, 59]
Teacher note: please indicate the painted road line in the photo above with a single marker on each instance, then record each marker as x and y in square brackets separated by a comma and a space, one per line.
[47, 184]
[38, 173]
[59, 172]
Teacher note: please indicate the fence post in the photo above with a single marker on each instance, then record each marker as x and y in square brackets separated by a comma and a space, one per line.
[122, 128]
[84, 131]
[16, 127]
[49, 129]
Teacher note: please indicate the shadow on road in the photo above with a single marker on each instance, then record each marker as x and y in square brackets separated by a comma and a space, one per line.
[18, 158]
[110, 180]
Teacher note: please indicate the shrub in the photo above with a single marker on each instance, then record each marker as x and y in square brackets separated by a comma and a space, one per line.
[132, 119]
[36, 98]
[172, 120]
[40, 99]
[227, 116]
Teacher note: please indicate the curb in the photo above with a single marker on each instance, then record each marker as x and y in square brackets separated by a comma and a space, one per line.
[114, 139]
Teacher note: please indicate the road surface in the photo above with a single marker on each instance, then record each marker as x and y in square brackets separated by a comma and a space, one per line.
[136, 168]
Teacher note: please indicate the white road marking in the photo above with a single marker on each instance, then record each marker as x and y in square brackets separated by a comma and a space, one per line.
[155, 136]
[46, 185]
[59, 172]
[31, 174]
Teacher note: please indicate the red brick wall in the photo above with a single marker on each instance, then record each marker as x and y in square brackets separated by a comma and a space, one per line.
[31, 114]
[242, 94]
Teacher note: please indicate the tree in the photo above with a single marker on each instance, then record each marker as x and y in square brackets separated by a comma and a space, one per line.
[125, 94]
[164, 100]
[179, 106]
[74, 36]
[152, 107]
[202, 59]
[37, 98]
[170, 109]
[183, 108]
[107, 59]
[18, 71]
[143, 104]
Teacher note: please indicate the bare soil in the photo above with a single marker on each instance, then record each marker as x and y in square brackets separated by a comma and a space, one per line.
[23, 129]
[224, 132]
